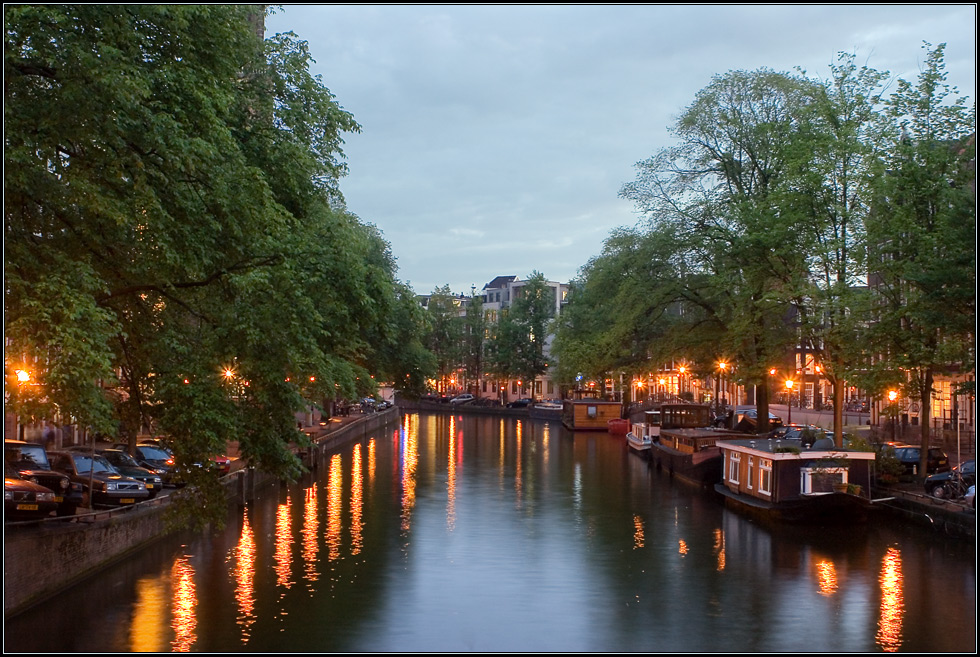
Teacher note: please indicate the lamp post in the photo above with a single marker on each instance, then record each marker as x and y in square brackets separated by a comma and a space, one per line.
[789, 401]
[680, 381]
[724, 384]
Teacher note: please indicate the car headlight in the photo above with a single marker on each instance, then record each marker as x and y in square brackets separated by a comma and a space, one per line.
[64, 483]
[103, 486]
[45, 497]
[8, 495]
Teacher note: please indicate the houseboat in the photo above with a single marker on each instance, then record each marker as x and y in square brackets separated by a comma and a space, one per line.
[690, 454]
[783, 480]
[589, 414]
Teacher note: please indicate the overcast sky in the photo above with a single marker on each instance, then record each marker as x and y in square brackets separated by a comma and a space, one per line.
[495, 138]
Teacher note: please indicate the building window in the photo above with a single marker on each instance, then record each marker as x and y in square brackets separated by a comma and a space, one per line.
[765, 476]
[734, 463]
[513, 387]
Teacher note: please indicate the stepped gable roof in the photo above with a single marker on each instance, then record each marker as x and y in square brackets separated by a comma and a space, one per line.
[499, 282]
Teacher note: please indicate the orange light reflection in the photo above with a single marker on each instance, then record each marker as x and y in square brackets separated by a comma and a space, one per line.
[720, 549]
[637, 532]
[284, 542]
[826, 578]
[889, 635]
[309, 533]
[334, 502]
[356, 503]
[245, 579]
[183, 621]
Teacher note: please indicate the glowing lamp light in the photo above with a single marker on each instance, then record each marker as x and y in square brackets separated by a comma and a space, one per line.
[772, 371]
[229, 374]
[23, 376]
[892, 395]
[789, 384]
[723, 365]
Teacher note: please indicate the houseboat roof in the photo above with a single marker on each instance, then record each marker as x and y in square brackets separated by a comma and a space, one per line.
[790, 449]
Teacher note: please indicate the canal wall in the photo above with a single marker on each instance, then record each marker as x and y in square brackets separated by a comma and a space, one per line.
[42, 559]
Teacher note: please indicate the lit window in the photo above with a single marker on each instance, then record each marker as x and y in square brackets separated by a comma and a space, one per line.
[765, 476]
[734, 462]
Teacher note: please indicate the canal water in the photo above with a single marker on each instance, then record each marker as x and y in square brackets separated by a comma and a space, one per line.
[447, 533]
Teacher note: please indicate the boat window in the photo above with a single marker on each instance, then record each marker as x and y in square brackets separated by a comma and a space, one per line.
[750, 473]
[765, 476]
[592, 412]
[733, 465]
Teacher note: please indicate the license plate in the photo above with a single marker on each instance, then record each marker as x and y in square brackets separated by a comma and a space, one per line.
[149, 486]
[59, 499]
[27, 507]
[127, 501]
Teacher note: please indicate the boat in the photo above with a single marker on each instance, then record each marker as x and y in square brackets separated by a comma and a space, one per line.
[589, 414]
[691, 454]
[639, 441]
[618, 426]
[545, 410]
[784, 481]
[643, 434]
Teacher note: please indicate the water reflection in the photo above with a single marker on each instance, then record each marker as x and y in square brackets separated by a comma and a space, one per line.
[311, 544]
[334, 507]
[244, 576]
[149, 614]
[184, 619]
[283, 556]
[889, 635]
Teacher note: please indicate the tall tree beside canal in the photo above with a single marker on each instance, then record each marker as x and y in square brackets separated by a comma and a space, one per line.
[719, 188]
[922, 235]
[826, 196]
[172, 212]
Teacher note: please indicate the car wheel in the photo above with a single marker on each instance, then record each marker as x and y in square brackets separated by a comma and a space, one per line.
[938, 491]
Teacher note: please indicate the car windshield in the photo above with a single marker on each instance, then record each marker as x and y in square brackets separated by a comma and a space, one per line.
[153, 453]
[123, 459]
[96, 463]
[27, 457]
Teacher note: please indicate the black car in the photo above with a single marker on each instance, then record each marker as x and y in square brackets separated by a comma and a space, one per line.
[126, 465]
[935, 484]
[108, 487]
[908, 456]
[157, 458]
[30, 461]
[520, 403]
[23, 499]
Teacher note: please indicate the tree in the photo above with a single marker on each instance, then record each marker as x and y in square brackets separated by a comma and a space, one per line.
[475, 331]
[172, 212]
[445, 335]
[519, 342]
[719, 189]
[825, 193]
[922, 235]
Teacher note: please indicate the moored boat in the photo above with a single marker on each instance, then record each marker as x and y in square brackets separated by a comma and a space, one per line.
[690, 454]
[545, 411]
[638, 441]
[782, 480]
[589, 414]
[618, 426]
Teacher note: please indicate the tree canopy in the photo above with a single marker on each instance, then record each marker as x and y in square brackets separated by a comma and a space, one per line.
[172, 212]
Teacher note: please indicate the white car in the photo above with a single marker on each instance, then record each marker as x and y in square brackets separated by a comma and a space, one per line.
[462, 399]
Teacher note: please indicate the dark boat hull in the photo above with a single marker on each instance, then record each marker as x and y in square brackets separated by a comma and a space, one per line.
[830, 507]
[702, 468]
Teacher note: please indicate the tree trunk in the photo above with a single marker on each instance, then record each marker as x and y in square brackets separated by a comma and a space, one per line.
[925, 392]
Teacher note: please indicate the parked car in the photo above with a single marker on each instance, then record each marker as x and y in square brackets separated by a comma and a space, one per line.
[108, 487]
[746, 419]
[24, 499]
[908, 456]
[935, 484]
[971, 496]
[520, 403]
[462, 399]
[155, 458]
[30, 461]
[127, 466]
[798, 431]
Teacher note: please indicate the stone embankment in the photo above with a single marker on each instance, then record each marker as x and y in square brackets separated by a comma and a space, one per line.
[43, 558]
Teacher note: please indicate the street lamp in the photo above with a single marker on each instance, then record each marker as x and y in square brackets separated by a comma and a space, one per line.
[680, 380]
[724, 384]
